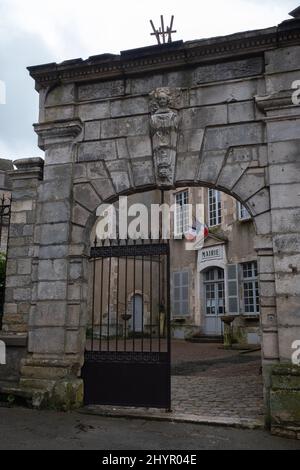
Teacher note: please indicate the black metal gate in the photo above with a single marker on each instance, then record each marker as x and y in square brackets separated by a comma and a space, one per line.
[127, 358]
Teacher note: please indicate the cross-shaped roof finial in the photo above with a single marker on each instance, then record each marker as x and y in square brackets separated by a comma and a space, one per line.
[161, 32]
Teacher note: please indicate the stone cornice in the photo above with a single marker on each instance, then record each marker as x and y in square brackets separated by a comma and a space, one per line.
[168, 56]
[28, 168]
[57, 131]
[275, 101]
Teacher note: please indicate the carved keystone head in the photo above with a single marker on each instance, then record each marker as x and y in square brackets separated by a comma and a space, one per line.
[164, 98]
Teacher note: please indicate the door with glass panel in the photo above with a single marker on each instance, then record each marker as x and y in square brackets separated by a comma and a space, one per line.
[214, 300]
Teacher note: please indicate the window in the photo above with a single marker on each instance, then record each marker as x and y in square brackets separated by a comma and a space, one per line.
[250, 287]
[214, 291]
[214, 207]
[243, 214]
[180, 293]
[181, 213]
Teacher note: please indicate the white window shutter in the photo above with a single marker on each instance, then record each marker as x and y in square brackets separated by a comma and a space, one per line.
[233, 288]
[180, 293]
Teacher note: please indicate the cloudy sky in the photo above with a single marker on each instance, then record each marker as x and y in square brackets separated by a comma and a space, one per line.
[40, 31]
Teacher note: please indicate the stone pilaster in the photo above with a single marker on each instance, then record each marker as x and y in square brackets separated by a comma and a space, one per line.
[282, 124]
[25, 181]
[52, 364]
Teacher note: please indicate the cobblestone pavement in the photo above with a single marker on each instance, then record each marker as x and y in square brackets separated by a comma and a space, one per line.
[210, 381]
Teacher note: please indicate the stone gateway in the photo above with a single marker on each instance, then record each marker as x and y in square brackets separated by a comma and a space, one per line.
[217, 113]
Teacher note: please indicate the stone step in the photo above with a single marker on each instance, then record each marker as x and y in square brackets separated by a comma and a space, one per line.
[205, 339]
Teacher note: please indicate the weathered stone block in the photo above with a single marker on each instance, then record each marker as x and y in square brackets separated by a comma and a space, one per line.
[121, 181]
[144, 85]
[199, 118]
[187, 166]
[210, 166]
[260, 202]
[123, 127]
[92, 130]
[77, 235]
[18, 218]
[21, 294]
[96, 170]
[59, 154]
[266, 264]
[54, 290]
[59, 112]
[80, 215]
[290, 316]
[225, 92]
[53, 212]
[238, 112]
[55, 251]
[21, 206]
[100, 150]
[284, 152]
[104, 188]
[283, 195]
[51, 270]
[288, 284]
[250, 183]
[190, 141]
[100, 90]
[143, 174]
[270, 345]
[73, 318]
[237, 162]
[48, 313]
[286, 220]
[59, 171]
[286, 243]
[72, 342]
[285, 173]
[54, 190]
[139, 146]
[18, 281]
[279, 131]
[229, 136]
[75, 270]
[62, 94]
[91, 111]
[74, 292]
[52, 234]
[122, 149]
[86, 196]
[129, 106]
[228, 70]
[282, 60]
[46, 340]
[11, 267]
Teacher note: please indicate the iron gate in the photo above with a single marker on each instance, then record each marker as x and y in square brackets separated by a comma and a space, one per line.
[127, 358]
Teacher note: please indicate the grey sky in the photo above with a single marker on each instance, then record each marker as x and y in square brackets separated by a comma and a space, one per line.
[39, 31]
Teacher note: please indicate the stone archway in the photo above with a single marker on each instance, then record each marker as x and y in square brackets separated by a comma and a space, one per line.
[214, 113]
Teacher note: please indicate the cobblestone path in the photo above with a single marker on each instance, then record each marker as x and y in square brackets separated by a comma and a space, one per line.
[210, 381]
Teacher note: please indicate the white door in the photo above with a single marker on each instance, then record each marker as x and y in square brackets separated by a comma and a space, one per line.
[214, 300]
